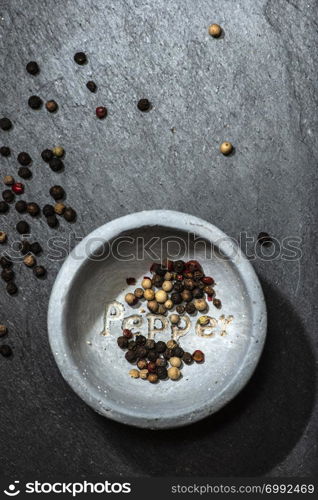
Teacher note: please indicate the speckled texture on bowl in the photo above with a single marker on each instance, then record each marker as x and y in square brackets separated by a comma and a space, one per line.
[95, 367]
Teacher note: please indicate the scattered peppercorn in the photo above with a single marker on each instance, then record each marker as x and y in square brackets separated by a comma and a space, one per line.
[186, 295]
[51, 106]
[52, 221]
[174, 361]
[3, 237]
[58, 151]
[143, 105]
[33, 209]
[48, 210]
[149, 294]
[153, 378]
[174, 319]
[200, 304]
[18, 188]
[29, 261]
[7, 195]
[203, 320]
[39, 271]
[33, 68]
[5, 124]
[69, 214]
[24, 158]
[57, 192]
[23, 227]
[153, 306]
[168, 304]
[91, 86]
[5, 351]
[24, 173]
[226, 148]
[24, 247]
[187, 358]
[157, 280]
[101, 112]
[35, 102]
[127, 333]
[5, 262]
[167, 354]
[4, 207]
[11, 288]
[56, 164]
[215, 30]
[3, 330]
[198, 356]
[217, 303]
[132, 346]
[174, 373]
[21, 206]
[80, 58]
[7, 275]
[264, 239]
[122, 342]
[5, 151]
[47, 155]
[162, 372]
[152, 367]
[161, 362]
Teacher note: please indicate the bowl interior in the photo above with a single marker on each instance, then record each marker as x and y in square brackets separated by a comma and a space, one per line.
[100, 363]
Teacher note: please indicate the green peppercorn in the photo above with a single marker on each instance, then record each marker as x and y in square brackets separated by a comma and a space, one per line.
[69, 214]
[4, 207]
[5, 124]
[39, 271]
[122, 342]
[47, 155]
[187, 358]
[130, 356]
[152, 355]
[162, 372]
[33, 68]
[23, 227]
[24, 159]
[161, 346]
[24, 173]
[11, 288]
[176, 298]
[190, 308]
[35, 102]
[7, 195]
[56, 164]
[5, 151]
[33, 209]
[140, 340]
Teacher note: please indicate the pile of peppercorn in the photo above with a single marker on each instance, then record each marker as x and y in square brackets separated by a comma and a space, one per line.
[188, 286]
[153, 358]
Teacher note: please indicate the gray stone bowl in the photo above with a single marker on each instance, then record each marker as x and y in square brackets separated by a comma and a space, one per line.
[84, 321]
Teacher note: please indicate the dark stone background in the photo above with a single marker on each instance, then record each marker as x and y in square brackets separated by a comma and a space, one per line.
[257, 87]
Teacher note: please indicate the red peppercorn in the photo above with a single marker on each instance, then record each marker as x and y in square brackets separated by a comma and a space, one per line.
[193, 265]
[207, 280]
[210, 298]
[154, 267]
[18, 188]
[127, 333]
[151, 367]
[179, 277]
[131, 281]
[198, 356]
[101, 112]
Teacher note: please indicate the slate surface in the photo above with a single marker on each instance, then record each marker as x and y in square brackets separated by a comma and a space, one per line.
[257, 87]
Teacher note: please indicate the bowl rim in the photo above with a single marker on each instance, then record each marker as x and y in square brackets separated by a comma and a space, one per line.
[71, 267]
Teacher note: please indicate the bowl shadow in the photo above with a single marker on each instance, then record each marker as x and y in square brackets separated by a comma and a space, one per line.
[255, 431]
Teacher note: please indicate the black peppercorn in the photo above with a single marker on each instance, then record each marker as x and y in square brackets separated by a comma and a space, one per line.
[80, 58]
[161, 346]
[131, 356]
[208, 290]
[217, 303]
[132, 345]
[33, 209]
[264, 239]
[11, 288]
[178, 266]
[141, 352]
[24, 247]
[140, 340]
[5, 351]
[39, 271]
[161, 372]
[189, 284]
[143, 105]
[152, 355]
[25, 173]
[161, 362]
[168, 353]
[178, 286]
[33, 68]
[180, 309]
[52, 221]
[197, 293]
[157, 280]
[161, 271]
[23, 227]
[57, 192]
[5, 124]
[91, 86]
[47, 155]
[7, 195]
[51, 106]
[35, 102]
[56, 164]
[178, 351]
[69, 214]
[5, 151]
[122, 342]
[197, 275]
[187, 358]
[48, 210]
[24, 158]
[7, 275]
[150, 344]
[21, 206]
[176, 298]
[5, 262]
[35, 248]
[190, 308]
[4, 207]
